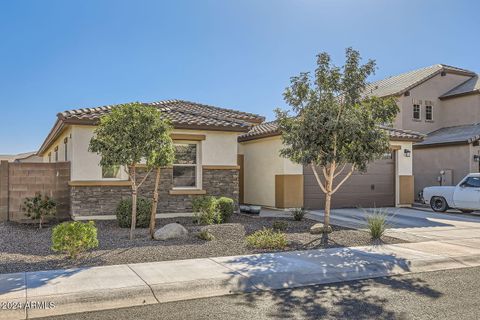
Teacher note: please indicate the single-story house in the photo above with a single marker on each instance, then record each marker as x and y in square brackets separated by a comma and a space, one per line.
[230, 153]
[272, 181]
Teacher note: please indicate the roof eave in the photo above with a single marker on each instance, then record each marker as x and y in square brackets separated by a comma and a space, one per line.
[468, 93]
[441, 144]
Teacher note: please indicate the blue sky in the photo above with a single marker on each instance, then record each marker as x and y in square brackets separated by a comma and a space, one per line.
[60, 55]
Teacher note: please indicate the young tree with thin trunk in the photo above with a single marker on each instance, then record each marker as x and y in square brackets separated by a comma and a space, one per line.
[335, 127]
[162, 156]
[129, 134]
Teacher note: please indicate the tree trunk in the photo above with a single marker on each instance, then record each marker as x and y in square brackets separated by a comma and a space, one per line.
[134, 203]
[326, 218]
[154, 204]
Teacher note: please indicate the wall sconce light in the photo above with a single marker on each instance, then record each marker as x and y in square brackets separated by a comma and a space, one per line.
[476, 158]
[407, 153]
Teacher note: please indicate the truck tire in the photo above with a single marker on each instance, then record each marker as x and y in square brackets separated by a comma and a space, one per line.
[438, 204]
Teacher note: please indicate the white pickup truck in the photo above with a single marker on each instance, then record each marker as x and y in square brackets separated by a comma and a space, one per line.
[465, 196]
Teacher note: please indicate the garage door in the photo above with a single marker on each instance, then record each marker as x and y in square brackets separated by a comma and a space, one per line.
[375, 188]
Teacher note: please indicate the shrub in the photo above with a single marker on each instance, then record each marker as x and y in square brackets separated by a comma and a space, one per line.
[377, 223]
[205, 210]
[298, 214]
[267, 239]
[124, 213]
[225, 207]
[39, 207]
[205, 235]
[280, 225]
[74, 238]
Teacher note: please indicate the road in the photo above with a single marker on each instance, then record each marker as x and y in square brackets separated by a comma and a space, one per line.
[447, 294]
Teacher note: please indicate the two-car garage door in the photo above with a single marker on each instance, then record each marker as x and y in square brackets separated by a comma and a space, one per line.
[375, 188]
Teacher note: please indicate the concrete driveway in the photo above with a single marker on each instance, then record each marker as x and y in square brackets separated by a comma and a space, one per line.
[411, 224]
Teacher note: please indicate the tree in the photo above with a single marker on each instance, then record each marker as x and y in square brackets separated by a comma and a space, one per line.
[39, 207]
[162, 156]
[127, 135]
[335, 126]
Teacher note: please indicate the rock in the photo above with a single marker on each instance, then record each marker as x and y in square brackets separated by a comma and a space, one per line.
[317, 228]
[170, 231]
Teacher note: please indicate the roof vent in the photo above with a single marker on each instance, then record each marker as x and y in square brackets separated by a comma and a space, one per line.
[443, 73]
[407, 93]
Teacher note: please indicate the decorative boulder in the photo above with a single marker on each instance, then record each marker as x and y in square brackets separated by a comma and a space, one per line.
[170, 231]
[317, 228]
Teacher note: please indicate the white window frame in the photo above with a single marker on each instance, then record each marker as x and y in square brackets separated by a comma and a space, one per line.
[419, 112]
[198, 165]
[431, 112]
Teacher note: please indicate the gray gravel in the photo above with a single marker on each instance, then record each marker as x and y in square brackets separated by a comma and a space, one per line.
[26, 248]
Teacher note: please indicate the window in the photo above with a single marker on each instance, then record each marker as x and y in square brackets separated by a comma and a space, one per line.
[56, 154]
[471, 182]
[428, 113]
[416, 112]
[111, 172]
[185, 169]
[65, 144]
[49, 157]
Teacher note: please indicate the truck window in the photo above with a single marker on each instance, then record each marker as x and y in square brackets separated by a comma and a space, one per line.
[472, 182]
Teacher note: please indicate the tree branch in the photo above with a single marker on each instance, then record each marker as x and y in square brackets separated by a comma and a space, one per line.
[339, 172]
[344, 179]
[144, 178]
[318, 178]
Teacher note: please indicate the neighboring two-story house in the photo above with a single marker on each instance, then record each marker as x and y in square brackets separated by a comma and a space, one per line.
[442, 102]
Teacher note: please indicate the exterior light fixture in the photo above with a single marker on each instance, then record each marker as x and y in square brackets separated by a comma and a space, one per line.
[407, 153]
[476, 158]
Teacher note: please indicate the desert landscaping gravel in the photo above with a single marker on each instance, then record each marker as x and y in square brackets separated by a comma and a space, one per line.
[26, 248]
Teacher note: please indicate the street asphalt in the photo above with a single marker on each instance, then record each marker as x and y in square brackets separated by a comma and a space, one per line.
[446, 294]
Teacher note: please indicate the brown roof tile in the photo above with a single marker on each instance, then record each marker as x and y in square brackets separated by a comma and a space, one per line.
[269, 129]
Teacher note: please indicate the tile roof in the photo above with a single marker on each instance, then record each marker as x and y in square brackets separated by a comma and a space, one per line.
[398, 84]
[470, 86]
[269, 129]
[182, 113]
[14, 157]
[452, 135]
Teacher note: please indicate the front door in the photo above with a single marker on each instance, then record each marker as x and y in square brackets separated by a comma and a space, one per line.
[467, 194]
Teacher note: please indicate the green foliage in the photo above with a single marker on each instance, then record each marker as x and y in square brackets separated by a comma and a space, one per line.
[39, 207]
[210, 210]
[205, 210]
[132, 132]
[124, 213]
[267, 239]
[377, 223]
[334, 120]
[205, 235]
[298, 214]
[225, 206]
[74, 238]
[280, 225]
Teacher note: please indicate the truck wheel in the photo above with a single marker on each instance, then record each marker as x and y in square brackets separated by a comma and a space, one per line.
[438, 204]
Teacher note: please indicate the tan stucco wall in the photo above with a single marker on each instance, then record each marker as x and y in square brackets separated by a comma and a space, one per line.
[428, 162]
[429, 90]
[261, 163]
[219, 149]
[461, 110]
[61, 147]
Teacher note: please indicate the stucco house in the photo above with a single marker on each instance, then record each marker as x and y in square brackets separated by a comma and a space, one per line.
[207, 135]
[231, 153]
[442, 102]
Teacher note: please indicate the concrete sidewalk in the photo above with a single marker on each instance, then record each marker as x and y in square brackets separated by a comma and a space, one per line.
[97, 288]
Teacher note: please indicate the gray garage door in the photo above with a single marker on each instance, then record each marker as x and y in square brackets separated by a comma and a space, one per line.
[375, 188]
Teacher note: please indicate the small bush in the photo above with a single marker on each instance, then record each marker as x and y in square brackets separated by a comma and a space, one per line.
[74, 238]
[225, 206]
[39, 207]
[205, 210]
[205, 235]
[377, 223]
[298, 214]
[267, 239]
[280, 225]
[124, 213]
